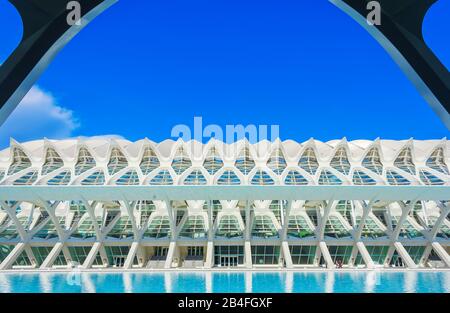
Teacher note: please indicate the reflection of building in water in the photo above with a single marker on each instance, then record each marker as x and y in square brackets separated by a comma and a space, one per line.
[107, 203]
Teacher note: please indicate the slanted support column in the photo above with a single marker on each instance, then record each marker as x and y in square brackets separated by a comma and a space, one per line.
[405, 212]
[11, 211]
[209, 262]
[286, 254]
[440, 221]
[324, 218]
[51, 257]
[366, 212]
[131, 255]
[284, 244]
[90, 208]
[92, 255]
[12, 256]
[404, 255]
[326, 254]
[365, 254]
[170, 253]
[440, 251]
[248, 254]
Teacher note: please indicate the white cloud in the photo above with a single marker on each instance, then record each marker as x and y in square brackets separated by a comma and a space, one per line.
[38, 116]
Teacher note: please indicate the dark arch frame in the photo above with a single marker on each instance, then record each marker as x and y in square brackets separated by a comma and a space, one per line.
[46, 32]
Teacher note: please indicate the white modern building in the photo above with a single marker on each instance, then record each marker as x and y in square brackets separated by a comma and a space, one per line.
[109, 203]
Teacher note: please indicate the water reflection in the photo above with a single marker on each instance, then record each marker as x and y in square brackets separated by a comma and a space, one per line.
[235, 282]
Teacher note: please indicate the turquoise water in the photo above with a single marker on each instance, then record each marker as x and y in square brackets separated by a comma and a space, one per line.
[236, 282]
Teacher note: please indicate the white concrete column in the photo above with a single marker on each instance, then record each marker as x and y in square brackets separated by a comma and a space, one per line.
[324, 218]
[51, 257]
[365, 254]
[130, 212]
[405, 212]
[11, 211]
[440, 251]
[209, 262]
[248, 221]
[92, 255]
[12, 256]
[248, 254]
[50, 209]
[404, 255]
[326, 254]
[131, 255]
[90, 208]
[366, 212]
[440, 221]
[170, 253]
[286, 254]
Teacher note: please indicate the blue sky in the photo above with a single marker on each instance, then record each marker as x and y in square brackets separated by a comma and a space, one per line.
[144, 66]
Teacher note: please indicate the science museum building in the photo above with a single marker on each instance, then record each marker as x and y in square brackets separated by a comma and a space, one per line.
[107, 203]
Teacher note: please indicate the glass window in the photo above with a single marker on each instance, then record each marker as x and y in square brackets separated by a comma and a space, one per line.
[340, 253]
[79, 254]
[328, 178]
[117, 255]
[159, 227]
[407, 230]
[86, 228]
[27, 179]
[162, 178]
[122, 229]
[228, 178]
[378, 255]
[117, 161]
[5, 250]
[149, 161]
[262, 178]
[145, 209]
[303, 255]
[335, 228]
[96, 178]
[85, 162]
[194, 227]
[129, 178]
[195, 178]
[308, 161]
[263, 227]
[63, 178]
[340, 161]
[405, 161]
[52, 162]
[429, 179]
[372, 161]
[213, 162]
[22, 260]
[244, 161]
[228, 255]
[262, 255]
[277, 162]
[295, 178]
[20, 162]
[346, 210]
[181, 161]
[437, 161]
[298, 227]
[396, 179]
[362, 178]
[371, 228]
[229, 227]
[40, 254]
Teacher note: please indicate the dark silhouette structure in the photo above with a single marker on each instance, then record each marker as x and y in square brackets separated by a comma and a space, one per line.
[400, 33]
[46, 30]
